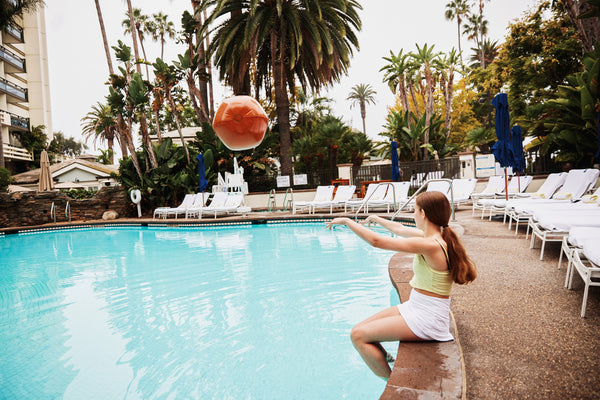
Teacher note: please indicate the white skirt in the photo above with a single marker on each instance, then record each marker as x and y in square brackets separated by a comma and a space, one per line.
[427, 317]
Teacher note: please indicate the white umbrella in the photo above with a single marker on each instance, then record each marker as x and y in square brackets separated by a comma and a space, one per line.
[45, 182]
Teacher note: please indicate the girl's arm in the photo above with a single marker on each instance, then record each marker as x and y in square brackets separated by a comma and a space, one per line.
[394, 227]
[417, 245]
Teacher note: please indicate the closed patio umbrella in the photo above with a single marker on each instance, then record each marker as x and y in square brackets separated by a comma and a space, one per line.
[202, 182]
[45, 182]
[502, 149]
[395, 168]
[516, 144]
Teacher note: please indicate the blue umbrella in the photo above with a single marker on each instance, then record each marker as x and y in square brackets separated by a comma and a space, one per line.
[516, 143]
[502, 149]
[202, 182]
[395, 168]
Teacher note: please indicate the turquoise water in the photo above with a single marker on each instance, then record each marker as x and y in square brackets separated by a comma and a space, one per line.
[243, 312]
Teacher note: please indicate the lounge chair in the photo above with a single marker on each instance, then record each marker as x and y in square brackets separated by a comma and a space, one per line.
[434, 175]
[516, 186]
[416, 180]
[553, 222]
[462, 189]
[323, 194]
[495, 185]
[164, 212]
[200, 201]
[231, 204]
[574, 186]
[435, 186]
[586, 262]
[342, 194]
[375, 192]
[396, 195]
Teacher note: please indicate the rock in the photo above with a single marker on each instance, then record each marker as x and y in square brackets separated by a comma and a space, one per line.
[110, 214]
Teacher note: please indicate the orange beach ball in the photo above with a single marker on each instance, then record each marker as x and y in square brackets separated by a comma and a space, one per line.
[240, 123]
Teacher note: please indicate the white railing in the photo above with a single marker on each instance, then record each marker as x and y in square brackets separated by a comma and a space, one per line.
[17, 153]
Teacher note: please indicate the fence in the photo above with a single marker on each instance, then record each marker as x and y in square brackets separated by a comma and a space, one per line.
[409, 171]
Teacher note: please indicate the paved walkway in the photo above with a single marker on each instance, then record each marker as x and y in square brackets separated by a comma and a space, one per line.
[520, 329]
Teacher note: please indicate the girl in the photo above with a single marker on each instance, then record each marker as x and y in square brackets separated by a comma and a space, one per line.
[440, 259]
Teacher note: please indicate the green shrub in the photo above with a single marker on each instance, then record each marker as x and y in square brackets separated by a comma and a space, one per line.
[80, 194]
[5, 179]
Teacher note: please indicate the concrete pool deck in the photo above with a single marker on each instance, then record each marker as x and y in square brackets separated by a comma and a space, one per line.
[519, 329]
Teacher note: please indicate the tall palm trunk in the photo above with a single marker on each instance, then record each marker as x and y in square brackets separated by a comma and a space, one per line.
[459, 22]
[178, 123]
[363, 115]
[104, 39]
[450, 93]
[428, 108]
[143, 124]
[282, 104]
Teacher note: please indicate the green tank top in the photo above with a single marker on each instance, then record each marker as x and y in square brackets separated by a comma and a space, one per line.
[430, 279]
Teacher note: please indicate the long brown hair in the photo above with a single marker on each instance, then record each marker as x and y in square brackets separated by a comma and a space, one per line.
[437, 210]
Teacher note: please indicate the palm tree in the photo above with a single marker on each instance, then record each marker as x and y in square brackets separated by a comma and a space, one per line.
[161, 28]
[445, 68]
[142, 26]
[9, 11]
[101, 124]
[457, 9]
[104, 39]
[362, 94]
[396, 76]
[282, 41]
[476, 29]
[425, 58]
[490, 52]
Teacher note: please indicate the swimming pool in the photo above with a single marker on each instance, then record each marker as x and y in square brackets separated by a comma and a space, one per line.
[239, 312]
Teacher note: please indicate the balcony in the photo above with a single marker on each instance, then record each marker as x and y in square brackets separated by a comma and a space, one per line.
[13, 63]
[17, 153]
[13, 34]
[15, 93]
[14, 121]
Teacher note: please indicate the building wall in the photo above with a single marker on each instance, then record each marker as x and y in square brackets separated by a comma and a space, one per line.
[35, 79]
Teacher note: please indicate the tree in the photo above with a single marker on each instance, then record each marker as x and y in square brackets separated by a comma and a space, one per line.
[100, 123]
[490, 52]
[396, 75]
[585, 17]
[65, 146]
[9, 12]
[161, 28]
[104, 39]
[476, 29]
[34, 141]
[426, 58]
[138, 24]
[282, 41]
[457, 9]
[362, 94]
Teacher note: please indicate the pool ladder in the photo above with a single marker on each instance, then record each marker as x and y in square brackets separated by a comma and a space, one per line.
[68, 211]
[287, 203]
[53, 212]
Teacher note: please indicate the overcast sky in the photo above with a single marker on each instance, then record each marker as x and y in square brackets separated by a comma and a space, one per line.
[78, 70]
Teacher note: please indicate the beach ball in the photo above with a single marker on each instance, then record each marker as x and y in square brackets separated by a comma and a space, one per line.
[240, 123]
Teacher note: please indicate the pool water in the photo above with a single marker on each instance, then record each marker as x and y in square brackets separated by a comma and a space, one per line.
[241, 312]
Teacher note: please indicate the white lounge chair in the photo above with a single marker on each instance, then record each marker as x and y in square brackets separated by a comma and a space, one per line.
[233, 201]
[200, 201]
[375, 192]
[396, 195]
[323, 194]
[576, 183]
[495, 185]
[462, 189]
[342, 194]
[164, 212]
[516, 186]
[586, 262]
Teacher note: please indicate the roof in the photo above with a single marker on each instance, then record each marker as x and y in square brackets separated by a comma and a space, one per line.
[57, 169]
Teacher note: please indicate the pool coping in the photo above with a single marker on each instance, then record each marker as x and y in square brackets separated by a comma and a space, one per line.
[423, 370]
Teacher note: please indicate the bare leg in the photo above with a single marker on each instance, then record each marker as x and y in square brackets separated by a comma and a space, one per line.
[385, 326]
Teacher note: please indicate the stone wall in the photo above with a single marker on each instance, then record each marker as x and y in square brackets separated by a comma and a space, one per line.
[33, 208]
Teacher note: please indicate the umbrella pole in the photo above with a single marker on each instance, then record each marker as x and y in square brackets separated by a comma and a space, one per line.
[505, 184]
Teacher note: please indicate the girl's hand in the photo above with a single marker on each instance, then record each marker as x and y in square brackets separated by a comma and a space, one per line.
[370, 220]
[336, 221]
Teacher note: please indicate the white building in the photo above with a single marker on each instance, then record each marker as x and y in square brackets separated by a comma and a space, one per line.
[24, 84]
